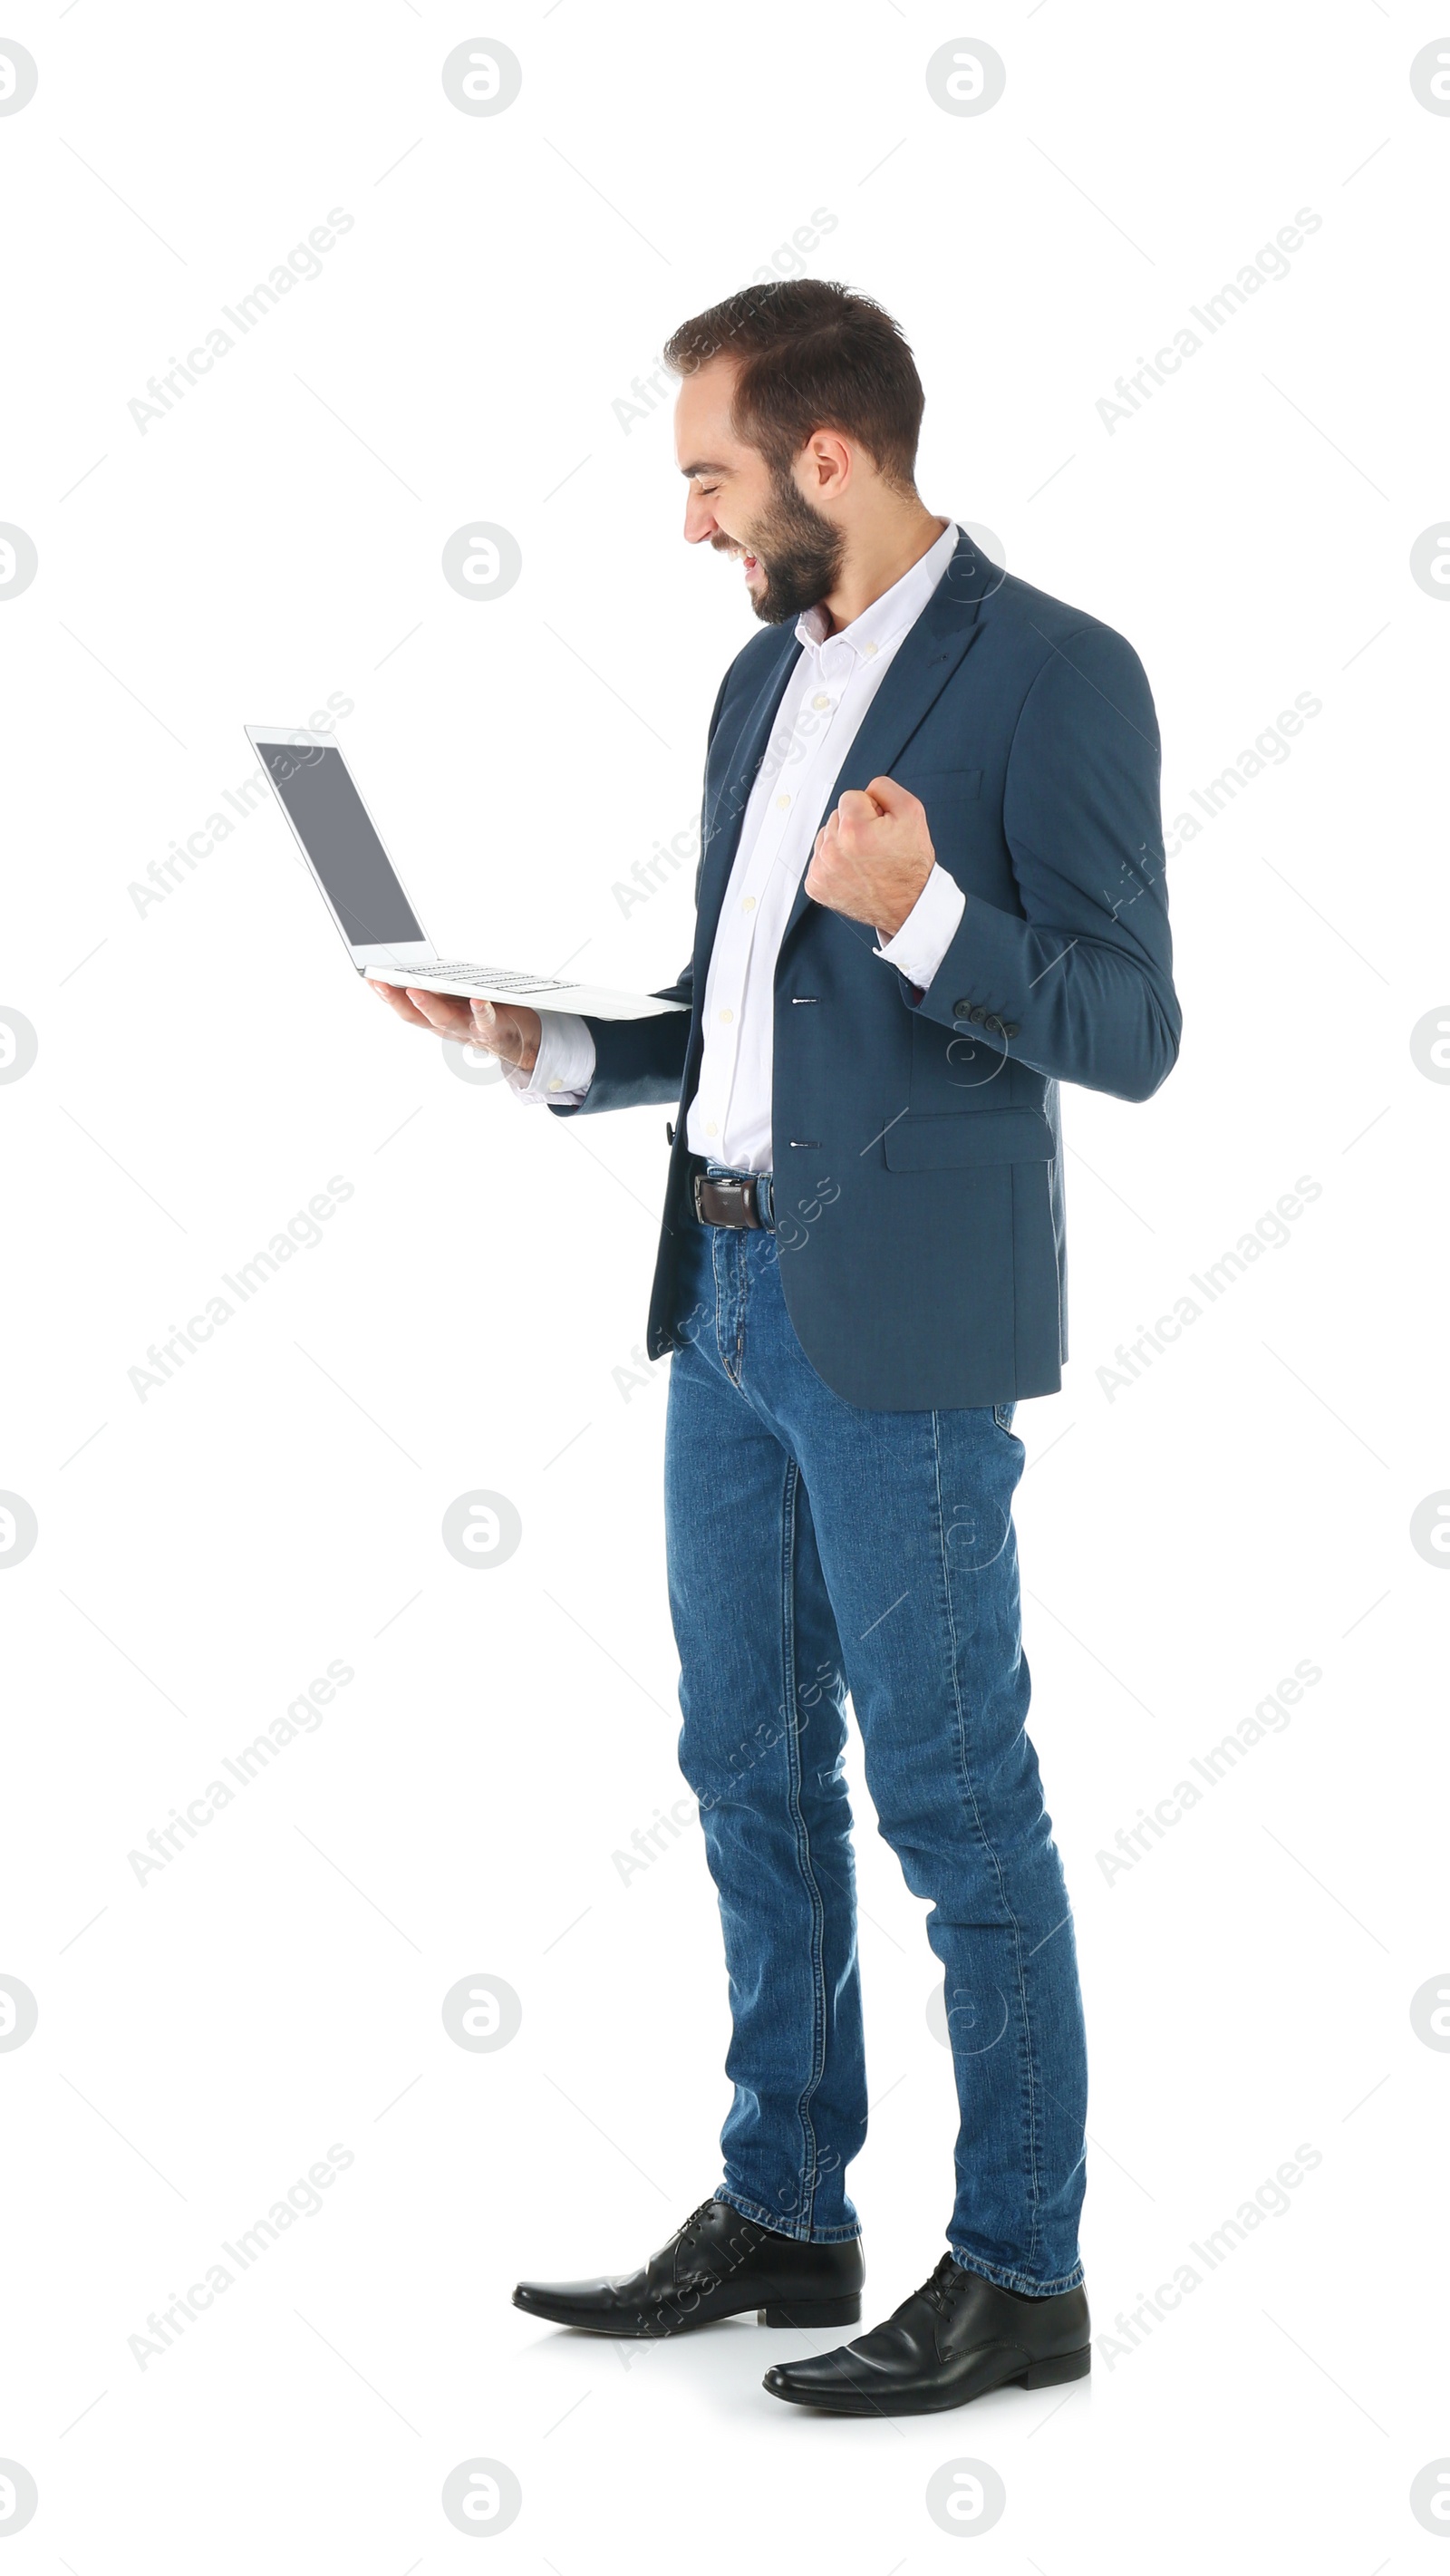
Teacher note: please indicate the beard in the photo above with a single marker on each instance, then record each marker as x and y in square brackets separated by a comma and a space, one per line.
[798, 550]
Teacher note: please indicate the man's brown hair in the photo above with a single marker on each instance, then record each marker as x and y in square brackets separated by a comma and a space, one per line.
[811, 355]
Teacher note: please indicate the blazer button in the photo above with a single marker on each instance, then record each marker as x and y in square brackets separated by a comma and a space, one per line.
[963, 1011]
[977, 1013]
[1011, 1028]
[669, 1132]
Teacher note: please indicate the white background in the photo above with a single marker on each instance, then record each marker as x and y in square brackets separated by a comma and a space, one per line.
[468, 1319]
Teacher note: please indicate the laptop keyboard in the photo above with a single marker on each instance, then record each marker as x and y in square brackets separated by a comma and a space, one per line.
[500, 977]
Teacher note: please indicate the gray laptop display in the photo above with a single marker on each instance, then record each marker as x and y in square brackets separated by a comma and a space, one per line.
[367, 899]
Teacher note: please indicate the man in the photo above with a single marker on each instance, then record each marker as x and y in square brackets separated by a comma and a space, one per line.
[930, 889]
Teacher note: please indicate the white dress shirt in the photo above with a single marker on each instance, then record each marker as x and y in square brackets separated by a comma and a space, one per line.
[826, 698]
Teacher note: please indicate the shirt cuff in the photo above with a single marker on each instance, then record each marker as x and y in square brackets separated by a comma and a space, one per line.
[564, 1066]
[926, 934]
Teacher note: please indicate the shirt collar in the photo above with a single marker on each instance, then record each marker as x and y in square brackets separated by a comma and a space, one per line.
[887, 618]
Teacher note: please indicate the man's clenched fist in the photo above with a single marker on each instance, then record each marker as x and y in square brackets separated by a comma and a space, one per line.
[873, 856]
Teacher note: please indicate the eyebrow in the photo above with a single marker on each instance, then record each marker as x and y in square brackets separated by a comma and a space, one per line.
[690, 471]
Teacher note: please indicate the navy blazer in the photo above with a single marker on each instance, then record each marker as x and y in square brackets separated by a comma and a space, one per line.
[917, 1144]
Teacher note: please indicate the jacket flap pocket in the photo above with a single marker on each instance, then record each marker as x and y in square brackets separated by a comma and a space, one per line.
[944, 792]
[918, 1144]
[941, 776]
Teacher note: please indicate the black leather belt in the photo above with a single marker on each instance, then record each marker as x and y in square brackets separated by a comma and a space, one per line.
[743, 1202]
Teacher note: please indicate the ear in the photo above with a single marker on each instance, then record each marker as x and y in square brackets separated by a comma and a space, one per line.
[827, 462]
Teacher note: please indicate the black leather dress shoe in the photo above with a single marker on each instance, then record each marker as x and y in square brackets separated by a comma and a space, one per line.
[717, 2265]
[956, 2337]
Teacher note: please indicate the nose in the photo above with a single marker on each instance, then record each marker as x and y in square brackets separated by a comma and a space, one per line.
[700, 520]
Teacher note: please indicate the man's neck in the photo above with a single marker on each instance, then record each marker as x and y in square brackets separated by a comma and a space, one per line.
[876, 559]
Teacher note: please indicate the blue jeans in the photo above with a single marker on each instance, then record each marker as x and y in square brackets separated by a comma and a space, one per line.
[815, 1548]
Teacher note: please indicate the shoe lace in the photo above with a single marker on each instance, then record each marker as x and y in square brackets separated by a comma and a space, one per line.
[685, 2235]
[941, 2289]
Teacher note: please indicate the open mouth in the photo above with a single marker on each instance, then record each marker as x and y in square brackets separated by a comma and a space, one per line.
[752, 566]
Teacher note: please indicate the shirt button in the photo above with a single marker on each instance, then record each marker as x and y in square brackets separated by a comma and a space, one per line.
[782, 804]
[726, 1015]
[712, 1129]
[556, 1084]
[820, 699]
[747, 903]
[870, 651]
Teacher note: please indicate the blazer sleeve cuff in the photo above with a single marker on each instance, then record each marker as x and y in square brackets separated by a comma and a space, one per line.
[984, 975]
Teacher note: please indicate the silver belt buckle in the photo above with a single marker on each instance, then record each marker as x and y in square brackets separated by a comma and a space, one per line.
[750, 1189]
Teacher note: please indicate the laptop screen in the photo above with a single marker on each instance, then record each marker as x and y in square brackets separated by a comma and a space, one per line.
[328, 817]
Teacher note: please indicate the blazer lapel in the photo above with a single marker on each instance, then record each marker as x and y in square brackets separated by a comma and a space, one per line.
[920, 669]
[728, 794]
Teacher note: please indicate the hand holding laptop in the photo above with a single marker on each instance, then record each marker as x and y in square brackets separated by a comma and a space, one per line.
[509, 1030]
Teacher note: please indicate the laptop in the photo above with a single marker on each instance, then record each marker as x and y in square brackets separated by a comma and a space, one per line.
[365, 895]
